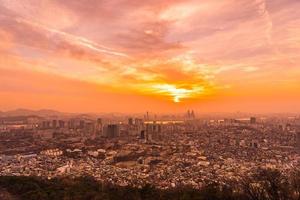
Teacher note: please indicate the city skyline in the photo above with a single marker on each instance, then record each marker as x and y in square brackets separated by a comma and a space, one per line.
[162, 56]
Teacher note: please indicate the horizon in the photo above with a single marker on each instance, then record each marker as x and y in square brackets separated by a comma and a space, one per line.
[162, 56]
[199, 114]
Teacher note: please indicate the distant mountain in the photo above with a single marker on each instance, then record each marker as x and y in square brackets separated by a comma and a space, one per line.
[27, 112]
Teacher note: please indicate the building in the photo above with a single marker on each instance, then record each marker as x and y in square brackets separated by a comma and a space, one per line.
[138, 121]
[130, 121]
[72, 124]
[142, 135]
[61, 124]
[98, 126]
[45, 125]
[89, 128]
[153, 128]
[111, 131]
[190, 115]
[54, 123]
[99, 121]
[153, 131]
[252, 120]
[81, 124]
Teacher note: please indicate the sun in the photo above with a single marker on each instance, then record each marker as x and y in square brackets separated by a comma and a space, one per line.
[177, 93]
[176, 99]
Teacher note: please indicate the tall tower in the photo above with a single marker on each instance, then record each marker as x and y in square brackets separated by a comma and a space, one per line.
[192, 114]
[252, 120]
[130, 121]
[111, 130]
[99, 127]
[188, 114]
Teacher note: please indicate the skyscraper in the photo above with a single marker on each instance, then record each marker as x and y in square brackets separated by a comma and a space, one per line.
[54, 123]
[130, 121]
[98, 126]
[192, 115]
[99, 121]
[81, 124]
[111, 130]
[61, 124]
[138, 121]
[188, 114]
[252, 120]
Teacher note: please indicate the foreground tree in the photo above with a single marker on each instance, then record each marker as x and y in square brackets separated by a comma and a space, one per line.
[266, 184]
[295, 183]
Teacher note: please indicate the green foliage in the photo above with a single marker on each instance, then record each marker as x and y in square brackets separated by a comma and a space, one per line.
[262, 185]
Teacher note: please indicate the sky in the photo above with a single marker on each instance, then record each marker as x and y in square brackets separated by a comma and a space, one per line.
[158, 55]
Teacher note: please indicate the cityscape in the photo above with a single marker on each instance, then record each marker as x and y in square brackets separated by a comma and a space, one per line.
[149, 100]
[165, 151]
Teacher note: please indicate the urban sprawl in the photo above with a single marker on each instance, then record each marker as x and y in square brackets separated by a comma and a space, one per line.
[133, 151]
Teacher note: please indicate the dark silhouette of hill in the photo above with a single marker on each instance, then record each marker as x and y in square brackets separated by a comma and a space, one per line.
[261, 185]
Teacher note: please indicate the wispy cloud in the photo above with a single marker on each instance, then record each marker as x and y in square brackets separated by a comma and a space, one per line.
[75, 39]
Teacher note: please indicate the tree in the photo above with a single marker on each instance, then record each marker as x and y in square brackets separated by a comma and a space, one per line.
[295, 184]
[266, 184]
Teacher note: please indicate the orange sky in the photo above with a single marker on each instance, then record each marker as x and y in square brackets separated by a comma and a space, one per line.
[158, 55]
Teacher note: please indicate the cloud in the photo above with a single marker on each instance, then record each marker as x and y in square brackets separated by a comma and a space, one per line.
[73, 39]
[46, 12]
[170, 48]
[6, 40]
[250, 69]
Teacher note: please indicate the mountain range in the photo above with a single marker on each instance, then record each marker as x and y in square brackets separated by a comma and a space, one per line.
[27, 112]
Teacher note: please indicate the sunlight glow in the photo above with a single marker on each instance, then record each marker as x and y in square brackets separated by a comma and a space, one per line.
[177, 93]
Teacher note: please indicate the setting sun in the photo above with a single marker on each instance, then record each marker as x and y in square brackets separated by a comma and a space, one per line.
[177, 94]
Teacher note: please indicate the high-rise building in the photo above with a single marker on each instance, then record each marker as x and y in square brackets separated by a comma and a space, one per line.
[54, 123]
[45, 125]
[111, 130]
[99, 121]
[190, 114]
[99, 126]
[89, 128]
[142, 136]
[130, 121]
[252, 120]
[138, 121]
[153, 131]
[81, 124]
[61, 124]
